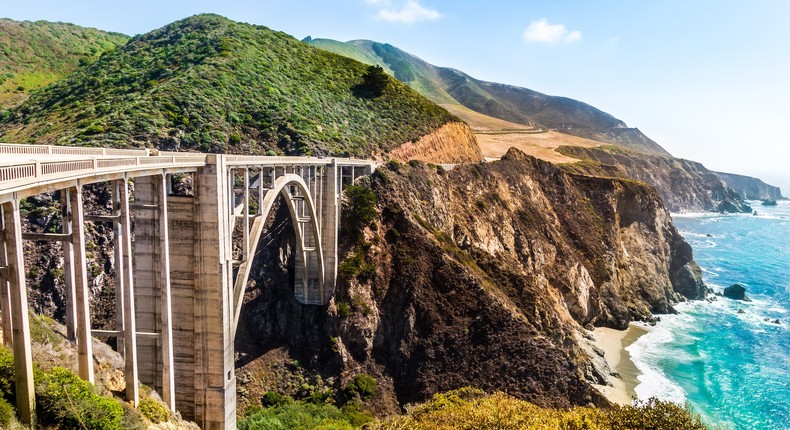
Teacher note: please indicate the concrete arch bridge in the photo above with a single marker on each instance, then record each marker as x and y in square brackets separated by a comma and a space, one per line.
[179, 286]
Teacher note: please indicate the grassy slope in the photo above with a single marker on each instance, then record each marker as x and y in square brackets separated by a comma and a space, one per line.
[35, 54]
[208, 83]
[506, 102]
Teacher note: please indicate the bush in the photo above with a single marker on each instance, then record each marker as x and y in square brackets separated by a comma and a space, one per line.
[343, 309]
[359, 209]
[153, 410]
[653, 414]
[62, 398]
[7, 413]
[6, 374]
[362, 385]
[274, 399]
[472, 408]
[295, 416]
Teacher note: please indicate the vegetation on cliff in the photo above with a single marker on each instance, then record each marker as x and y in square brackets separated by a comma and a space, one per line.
[210, 84]
[64, 401]
[35, 54]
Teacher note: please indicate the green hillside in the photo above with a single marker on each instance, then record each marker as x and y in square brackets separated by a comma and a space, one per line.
[35, 54]
[210, 84]
[520, 105]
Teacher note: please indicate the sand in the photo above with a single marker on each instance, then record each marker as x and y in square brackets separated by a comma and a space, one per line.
[613, 343]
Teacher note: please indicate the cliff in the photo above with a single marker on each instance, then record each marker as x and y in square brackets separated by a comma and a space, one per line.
[454, 142]
[751, 188]
[684, 186]
[483, 275]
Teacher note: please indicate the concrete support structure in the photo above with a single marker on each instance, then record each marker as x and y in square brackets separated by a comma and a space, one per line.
[153, 310]
[178, 292]
[68, 266]
[15, 275]
[124, 242]
[215, 401]
[82, 296]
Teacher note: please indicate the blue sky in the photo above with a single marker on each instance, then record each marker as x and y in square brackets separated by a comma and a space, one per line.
[708, 80]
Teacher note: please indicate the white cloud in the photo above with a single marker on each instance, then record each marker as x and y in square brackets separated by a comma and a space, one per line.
[378, 2]
[541, 31]
[410, 12]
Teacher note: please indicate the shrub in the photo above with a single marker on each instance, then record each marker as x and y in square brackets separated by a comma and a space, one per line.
[274, 399]
[343, 309]
[654, 414]
[362, 385]
[295, 416]
[153, 410]
[7, 413]
[6, 374]
[64, 399]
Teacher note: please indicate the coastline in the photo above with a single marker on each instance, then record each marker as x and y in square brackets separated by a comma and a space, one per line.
[614, 343]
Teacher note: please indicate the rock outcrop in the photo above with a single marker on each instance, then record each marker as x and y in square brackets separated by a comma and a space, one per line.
[751, 188]
[454, 142]
[685, 186]
[484, 276]
[735, 292]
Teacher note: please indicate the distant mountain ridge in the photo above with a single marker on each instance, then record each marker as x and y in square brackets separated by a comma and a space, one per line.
[511, 103]
[211, 84]
[35, 54]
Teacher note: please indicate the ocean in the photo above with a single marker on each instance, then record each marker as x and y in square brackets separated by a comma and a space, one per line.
[728, 360]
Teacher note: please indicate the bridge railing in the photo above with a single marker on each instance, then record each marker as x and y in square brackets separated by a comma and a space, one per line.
[23, 174]
[8, 148]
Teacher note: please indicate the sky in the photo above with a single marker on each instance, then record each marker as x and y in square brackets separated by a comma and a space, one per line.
[706, 79]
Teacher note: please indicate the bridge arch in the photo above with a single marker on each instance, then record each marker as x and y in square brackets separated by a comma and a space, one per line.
[309, 279]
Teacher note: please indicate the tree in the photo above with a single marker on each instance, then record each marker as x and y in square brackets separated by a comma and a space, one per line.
[375, 81]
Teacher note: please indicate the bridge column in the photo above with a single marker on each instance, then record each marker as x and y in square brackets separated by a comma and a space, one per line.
[215, 379]
[68, 266]
[152, 286]
[126, 279]
[82, 296]
[15, 276]
[329, 224]
[5, 295]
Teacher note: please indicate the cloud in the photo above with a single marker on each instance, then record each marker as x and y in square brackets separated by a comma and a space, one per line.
[409, 13]
[541, 31]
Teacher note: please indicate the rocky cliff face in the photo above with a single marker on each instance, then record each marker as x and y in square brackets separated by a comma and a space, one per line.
[482, 276]
[751, 188]
[454, 142]
[684, 186]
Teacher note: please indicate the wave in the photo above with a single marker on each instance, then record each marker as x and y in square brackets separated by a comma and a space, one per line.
[645, 354]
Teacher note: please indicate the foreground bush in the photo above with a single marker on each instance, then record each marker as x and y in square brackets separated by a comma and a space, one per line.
[472, 409]
[296, 416]
[63, 399]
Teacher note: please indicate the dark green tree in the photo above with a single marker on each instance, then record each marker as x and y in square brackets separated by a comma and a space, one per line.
[375, 81]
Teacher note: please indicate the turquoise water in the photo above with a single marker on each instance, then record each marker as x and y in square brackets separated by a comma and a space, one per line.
[733, 368]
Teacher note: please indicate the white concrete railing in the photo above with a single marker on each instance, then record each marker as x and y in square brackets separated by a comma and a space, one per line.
[12, 148]
[31, 165]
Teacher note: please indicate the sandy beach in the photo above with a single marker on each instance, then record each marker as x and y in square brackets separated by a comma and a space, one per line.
[613, 343]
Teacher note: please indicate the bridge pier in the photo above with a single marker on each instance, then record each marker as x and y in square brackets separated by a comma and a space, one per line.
[15, 279]
[153, 310]
[177, 298]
